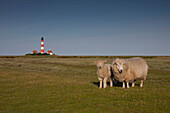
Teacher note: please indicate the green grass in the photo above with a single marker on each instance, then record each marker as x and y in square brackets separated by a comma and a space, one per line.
[50, 84]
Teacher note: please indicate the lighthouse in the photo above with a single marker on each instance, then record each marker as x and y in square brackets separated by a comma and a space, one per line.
[34, 52]
[42, 45]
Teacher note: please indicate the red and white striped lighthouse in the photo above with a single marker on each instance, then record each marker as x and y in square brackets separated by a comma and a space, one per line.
[42, 45]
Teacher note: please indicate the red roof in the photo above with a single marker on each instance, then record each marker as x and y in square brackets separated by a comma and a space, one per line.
[49, 51]
[34, 51]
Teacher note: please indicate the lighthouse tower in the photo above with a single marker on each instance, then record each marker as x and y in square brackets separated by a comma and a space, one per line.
[42, 45]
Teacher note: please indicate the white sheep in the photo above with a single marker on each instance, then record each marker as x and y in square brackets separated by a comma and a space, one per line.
[130, 70]
[104, 72]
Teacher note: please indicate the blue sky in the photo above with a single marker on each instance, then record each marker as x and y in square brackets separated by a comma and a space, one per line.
[85, 27]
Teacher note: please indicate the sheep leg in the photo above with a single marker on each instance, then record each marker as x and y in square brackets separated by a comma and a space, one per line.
[127, 84]
[105, 82]
[111, 82]
[133, 84]
[100, 79]
[123, 85]
[141, 84]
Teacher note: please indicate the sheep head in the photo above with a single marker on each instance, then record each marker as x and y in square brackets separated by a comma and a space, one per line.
[119, 65]
[100, 63]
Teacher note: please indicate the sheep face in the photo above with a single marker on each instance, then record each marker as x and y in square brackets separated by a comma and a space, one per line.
[120, 65]
[100, 64]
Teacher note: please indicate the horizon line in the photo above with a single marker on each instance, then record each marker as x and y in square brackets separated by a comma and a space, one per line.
[95, 54]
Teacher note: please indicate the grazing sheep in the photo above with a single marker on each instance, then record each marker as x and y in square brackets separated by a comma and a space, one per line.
[130, 70]
[104, 72]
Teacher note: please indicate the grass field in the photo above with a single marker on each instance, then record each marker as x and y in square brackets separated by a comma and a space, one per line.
[50, 84]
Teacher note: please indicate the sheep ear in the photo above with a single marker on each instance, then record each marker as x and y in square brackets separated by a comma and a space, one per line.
[116, 58]
[114, 63]
[95, 61]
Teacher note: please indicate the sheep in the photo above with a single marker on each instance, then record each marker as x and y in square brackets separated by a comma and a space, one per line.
[104, 72]
[130, 70]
